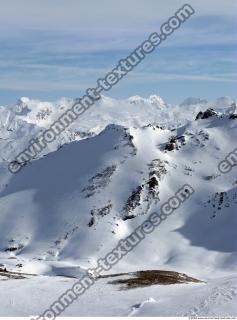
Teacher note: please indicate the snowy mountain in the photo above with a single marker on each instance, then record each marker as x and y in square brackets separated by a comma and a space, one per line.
[117, 163]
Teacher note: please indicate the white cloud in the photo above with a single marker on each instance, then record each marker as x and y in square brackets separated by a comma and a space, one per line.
[102, 15]
[154, 77]
[87, 26]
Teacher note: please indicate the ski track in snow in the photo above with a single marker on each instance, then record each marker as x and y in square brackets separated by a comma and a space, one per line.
[219, 295]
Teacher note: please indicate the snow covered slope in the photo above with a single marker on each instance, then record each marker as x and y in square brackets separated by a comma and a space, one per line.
[88, 191]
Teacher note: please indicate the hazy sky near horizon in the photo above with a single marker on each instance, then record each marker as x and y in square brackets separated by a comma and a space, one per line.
[56, 48]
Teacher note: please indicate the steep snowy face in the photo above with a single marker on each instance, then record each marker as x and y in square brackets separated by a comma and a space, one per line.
[77, 202]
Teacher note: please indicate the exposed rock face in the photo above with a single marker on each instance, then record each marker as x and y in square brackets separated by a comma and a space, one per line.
[171, 144]
[96, 213]
[206, 114]
[100, 180]
[133, 201]
[143, 196]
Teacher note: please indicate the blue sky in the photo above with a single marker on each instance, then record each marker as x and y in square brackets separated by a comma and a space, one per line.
[56, 48]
